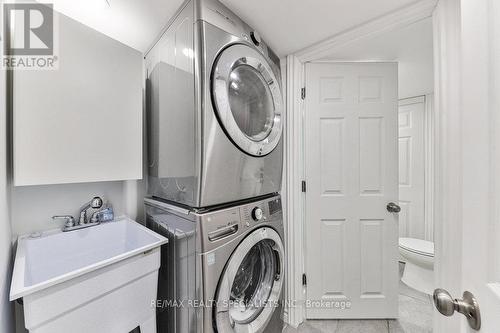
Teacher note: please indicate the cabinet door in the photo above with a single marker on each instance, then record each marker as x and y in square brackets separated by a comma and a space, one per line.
[83, 121]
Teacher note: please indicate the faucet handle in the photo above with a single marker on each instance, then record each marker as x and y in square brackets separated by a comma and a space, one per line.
[70, 221]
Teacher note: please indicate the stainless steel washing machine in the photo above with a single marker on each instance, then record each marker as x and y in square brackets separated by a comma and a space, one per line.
[222, 270]
[214, 110]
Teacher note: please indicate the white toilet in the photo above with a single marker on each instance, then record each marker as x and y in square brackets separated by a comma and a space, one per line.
[418, 255]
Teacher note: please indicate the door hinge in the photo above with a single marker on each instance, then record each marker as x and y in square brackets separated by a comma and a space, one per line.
[304, 186]
[304, 279]
[303, 93]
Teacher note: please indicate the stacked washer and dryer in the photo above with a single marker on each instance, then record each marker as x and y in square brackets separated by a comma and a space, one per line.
[214, 172]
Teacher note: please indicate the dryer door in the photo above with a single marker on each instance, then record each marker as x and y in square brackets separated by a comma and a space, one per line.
[250, 288]
[247, 98]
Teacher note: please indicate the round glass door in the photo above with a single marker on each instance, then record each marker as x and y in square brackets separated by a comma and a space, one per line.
[247, 99]
[251, 102]
[251, 284]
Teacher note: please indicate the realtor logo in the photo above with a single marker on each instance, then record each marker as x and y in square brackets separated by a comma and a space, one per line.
[28, 28]
[37, 24]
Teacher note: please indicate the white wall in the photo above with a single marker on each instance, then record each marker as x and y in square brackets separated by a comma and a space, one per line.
[416, 60]
[6, 315]
[416, 73]
[33, 206]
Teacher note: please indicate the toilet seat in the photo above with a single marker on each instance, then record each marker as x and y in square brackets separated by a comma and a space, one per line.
[417, 246]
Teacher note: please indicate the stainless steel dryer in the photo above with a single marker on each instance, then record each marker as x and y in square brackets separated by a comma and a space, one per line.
[214, 110]
[222, 271]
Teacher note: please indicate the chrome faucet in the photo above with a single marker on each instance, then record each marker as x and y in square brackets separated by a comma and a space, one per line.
[83, 222]
[70, 221]
[95, 203]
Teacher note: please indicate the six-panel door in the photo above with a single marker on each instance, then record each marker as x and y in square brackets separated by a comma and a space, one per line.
[351, 159]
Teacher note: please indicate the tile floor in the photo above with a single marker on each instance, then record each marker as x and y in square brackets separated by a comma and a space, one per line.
[415, 316]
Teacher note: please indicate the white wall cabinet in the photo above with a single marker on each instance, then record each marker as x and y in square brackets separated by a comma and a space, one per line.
[83, 121]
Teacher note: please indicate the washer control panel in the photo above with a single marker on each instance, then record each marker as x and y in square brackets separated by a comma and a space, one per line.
[262, 211]
[257, 214]
[274, 206]
[219, 227]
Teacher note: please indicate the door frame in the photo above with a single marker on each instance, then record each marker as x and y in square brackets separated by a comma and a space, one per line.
[467, 189]
[294, 170]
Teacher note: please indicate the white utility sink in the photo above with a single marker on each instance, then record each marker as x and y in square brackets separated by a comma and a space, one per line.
[99, 279]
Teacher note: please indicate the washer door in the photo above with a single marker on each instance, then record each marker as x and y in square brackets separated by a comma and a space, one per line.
[250, 287]
[247, 99]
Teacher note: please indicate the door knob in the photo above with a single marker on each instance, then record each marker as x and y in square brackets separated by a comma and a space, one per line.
[467, 306]
[393, 208]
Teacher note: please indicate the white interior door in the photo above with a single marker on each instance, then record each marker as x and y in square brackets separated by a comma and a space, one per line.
[468, 220]
[351, 152]
[411, 167]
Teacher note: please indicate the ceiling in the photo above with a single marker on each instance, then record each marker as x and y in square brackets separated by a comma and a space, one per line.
[287, 26]
[292, 25]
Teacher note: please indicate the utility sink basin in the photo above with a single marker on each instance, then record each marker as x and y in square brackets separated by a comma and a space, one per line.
[62, 276]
